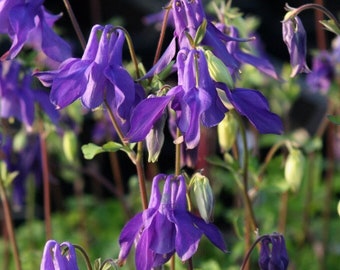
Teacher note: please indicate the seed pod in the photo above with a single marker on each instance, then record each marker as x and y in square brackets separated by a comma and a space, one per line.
[70, 145]
[226, 131]
[294, 168]
[217, 70]
[203, 195]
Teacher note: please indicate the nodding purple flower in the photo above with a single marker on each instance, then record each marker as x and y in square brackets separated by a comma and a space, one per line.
[97, 77]
[28, 23]
[59, 256]
[17, 98]
[294, 35]
[273, 254]
[166, 227]
[322, 74]
[194, 99]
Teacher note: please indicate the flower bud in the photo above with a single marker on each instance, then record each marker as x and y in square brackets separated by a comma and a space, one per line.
[227, 130]
[155, 139]
[294, 168]
[70, 145]
[217, 70]
[203, 195]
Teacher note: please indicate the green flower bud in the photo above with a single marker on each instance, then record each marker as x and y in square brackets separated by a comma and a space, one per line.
[217, 70]
[203, 195]
[227, 131]
[294, 168]
[70, 145]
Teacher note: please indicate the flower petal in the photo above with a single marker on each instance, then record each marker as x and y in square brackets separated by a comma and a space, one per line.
[253, 105]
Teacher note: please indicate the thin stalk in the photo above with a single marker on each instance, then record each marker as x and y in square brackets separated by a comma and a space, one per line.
[296, 11]
[283, 212]
[250, 221]
[75, 24]
[137, 159]
[9, 226]
[162, 34]
[85, 256]
[178, 154]
[46, 181]
[247, 201]
[131, 49]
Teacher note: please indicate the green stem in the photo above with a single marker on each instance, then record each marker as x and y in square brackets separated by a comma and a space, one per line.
[9, 226]
[247, 201]
[246, 258]
[85, 256]
[75, 24]
[296, 11]
[131, 49]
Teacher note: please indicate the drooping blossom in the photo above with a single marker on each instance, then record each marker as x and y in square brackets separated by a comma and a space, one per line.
[18, 98]
[273, 253]
[196, 101]
[59, 256]
[97, 77]
[28, 23]
[294, 36]
[166, 227]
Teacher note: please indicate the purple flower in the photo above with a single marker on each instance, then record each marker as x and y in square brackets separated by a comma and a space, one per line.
[194, 99]
[18, 98]
[166, 227]
[97, 77]
[26, 162]
[59, 256]
[294, 35]
[276, 257]
[27, 22]
[322, 74]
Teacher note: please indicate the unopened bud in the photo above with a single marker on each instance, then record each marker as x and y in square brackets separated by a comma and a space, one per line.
[217, 70]
[203, 196]
[294, 168]
[155, 139]
[227, 131]
[70, 145]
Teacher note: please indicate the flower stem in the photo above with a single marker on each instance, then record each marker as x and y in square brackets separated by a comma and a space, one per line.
[46, 181]
[162, 34]
[85, 256]
[136, 159]
[9, 225]
[296, 11]
[75, 24]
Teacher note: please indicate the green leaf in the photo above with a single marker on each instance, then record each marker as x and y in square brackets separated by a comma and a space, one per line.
[90, 150]
[331, 26]
[200, 32]
[334, 119]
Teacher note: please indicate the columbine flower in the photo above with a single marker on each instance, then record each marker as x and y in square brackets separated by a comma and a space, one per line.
[166, 227]
[322, 74]
[59, 256]
[96, 77]
[276, 257]
[18, 98]
[294, 35]
[27, 22]
[194, 99]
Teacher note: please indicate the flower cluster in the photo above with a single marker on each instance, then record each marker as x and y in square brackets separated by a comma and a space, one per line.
[166, 227]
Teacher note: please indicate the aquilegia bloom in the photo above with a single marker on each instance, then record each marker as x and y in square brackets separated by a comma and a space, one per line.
[96, 77]
[27, 22]
[59, 256]
[294, 35]
[166, 227]
[17, 98]
[274, 257]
